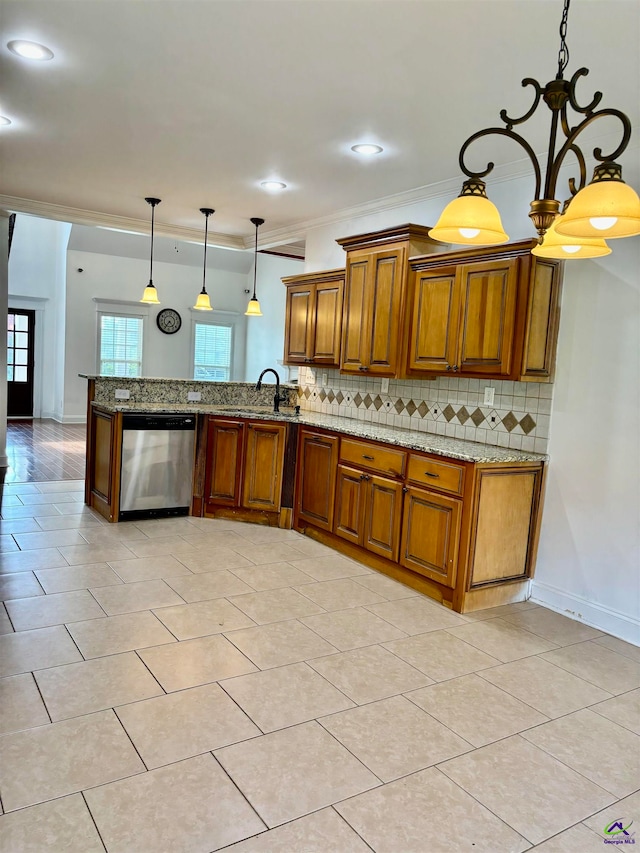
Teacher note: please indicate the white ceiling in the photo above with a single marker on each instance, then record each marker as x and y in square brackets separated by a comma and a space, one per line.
[197, 101]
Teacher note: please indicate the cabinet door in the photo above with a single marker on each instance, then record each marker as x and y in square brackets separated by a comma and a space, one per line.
[350, 504]
[354, 319]
[430, 535]
[317, 479]
[223, 462]
[298, 324]
[263, 468]
[488, 294]
[325, 348]
[383, 515]
[384, 330]
[435, 322]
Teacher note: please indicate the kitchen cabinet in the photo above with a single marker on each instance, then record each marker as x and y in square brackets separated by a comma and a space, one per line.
[104, 452]
[317, 464]
[225, 445]
[263, 466]
[374, 325]
[485, 313]
[313, 318]
[431, 534]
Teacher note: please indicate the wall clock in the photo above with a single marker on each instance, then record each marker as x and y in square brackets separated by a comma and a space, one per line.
[169, 321]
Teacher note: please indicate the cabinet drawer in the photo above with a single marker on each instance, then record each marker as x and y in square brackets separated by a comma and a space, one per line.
[372, 456]
[443, 476]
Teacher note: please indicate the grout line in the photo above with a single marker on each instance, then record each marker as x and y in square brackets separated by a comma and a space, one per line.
[115, 711]
[93, 819]
[144, 663]
[334, 809]
[240, 791]
[33, 676]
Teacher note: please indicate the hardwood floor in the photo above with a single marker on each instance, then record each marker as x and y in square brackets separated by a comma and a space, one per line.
[40, 450]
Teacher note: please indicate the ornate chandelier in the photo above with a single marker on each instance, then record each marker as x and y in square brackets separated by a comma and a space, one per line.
[605, 208]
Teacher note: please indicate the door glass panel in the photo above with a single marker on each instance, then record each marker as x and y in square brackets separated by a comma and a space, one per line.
[22, 323]
[9, 339]
[10, 356]
[22, 356]
[22, 340]
[20, 374]
[10, 373]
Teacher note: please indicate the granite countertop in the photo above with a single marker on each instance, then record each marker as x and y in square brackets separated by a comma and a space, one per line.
[440, 445]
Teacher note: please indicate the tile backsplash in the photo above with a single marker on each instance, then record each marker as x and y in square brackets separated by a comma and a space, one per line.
[519, 417]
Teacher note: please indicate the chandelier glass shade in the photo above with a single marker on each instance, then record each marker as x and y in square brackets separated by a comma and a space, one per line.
[150, 295]
[607, 207]
[564, 248]
[203, 303]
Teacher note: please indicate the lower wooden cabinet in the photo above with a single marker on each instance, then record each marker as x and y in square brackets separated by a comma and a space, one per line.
[368, 511]
[102, 481]
[431, 535]
[264, 457]
[317, 461]
[225, 445]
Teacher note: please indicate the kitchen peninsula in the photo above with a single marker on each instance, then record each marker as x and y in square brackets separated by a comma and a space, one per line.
[457, 520]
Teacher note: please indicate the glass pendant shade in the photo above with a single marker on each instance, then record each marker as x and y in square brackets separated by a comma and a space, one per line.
[253, 308]
[565, 248]
[471, 219]
[150, 295]
[203, 303]
[605, 208]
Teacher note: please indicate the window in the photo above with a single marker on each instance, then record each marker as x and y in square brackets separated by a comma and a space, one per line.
[212, 352]
[120, 345]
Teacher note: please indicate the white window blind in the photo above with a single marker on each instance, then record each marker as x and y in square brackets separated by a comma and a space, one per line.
[120, 345]
[212, 352]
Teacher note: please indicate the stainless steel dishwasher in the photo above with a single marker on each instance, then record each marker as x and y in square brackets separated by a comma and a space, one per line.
[157, 465]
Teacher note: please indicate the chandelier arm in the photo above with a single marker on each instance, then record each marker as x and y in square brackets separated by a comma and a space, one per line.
[581, 72]
[583, 170]
[569, 145]
[510, 122]
[500, 131]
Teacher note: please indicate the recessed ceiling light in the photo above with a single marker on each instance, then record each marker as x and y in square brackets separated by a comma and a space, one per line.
[367, 148]
[30, 50]
[4, 120]
[273, 185]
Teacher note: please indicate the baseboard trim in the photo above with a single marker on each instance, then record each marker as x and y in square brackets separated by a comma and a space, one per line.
[64, 419]
[590, 612]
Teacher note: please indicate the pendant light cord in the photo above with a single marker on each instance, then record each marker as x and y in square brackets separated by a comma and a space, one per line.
[153, 212]
[255, 263]
[204, 269]
[563, 53]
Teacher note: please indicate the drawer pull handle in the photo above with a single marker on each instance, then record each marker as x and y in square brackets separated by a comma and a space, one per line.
[370, 458]
[429, 474]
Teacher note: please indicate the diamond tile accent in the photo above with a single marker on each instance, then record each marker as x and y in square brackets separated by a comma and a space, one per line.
[411, 407]
[527, 424]
[463, 415]
[436, 411]
[357, 399]
[339, 397]
[423, 409]
[331, 396]
[399, 405]
[378, 402]
[493, 419]
[477, 417]
[307, 393]
[448, 412]
[368, 401]
[510, 421]
[323, 395]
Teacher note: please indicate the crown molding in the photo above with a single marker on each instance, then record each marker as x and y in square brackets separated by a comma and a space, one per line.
[77, 216]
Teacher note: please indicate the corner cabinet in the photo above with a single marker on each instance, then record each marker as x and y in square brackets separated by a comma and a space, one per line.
[485, 313]
[375, 299]
[313, 319]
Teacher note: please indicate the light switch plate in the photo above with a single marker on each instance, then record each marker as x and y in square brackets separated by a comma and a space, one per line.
[122, 394]
[194, 396]
[311, 376]
[384, 386]
[489, 394]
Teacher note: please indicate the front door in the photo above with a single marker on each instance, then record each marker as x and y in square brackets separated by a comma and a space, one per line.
[20, 340]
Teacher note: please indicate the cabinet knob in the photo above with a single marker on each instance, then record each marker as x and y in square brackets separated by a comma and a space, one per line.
[404, 490]
[448, 367]
[455, 366]
[363, 367]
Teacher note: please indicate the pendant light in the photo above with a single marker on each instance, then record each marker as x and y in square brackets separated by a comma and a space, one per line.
[606, 208]
[253, 308]
[561, 247]
[150, 295]
[203, 303]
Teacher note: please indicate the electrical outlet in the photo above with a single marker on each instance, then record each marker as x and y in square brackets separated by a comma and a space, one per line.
[194, 396]
[122, 394]
[325, 378]
[489, 394]
[311, 376]
[384, 386]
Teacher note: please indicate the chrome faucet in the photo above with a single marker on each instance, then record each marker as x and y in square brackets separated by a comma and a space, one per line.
[277, 399]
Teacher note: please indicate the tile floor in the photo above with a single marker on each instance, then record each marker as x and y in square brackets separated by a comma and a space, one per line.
[42, 449]
[199, 685]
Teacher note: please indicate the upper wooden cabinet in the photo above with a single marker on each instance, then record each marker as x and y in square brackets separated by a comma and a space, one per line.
[313, 320]
[375, 300]
[483, 313]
